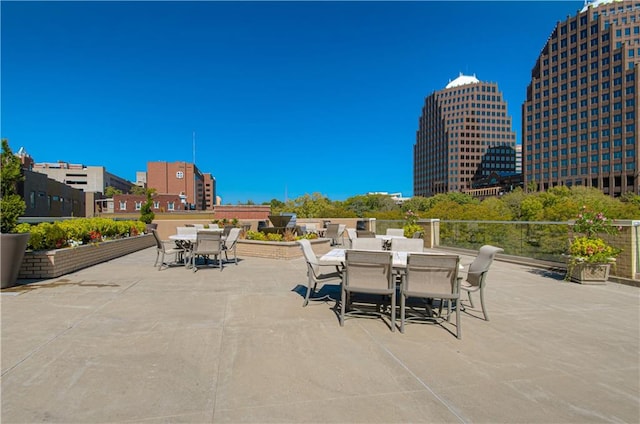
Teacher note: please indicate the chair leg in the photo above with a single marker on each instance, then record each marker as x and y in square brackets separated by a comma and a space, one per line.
[161, 261]
[470, 299]
[310, 288]
[343, 302]
[402, 311]
[484, 310]
[393, 311]
[458, 329]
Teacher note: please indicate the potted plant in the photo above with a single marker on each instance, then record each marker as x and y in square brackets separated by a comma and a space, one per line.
[146, 213]
[590, 256]
[12, 205]
[411, 225]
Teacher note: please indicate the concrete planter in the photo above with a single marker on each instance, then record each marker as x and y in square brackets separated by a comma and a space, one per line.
[54, 263]
[279, 249]
[13, 250]
[586, 273]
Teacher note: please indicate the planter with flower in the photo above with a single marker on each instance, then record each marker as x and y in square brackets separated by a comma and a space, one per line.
[590, 256]
[411, 225]
[12, 206]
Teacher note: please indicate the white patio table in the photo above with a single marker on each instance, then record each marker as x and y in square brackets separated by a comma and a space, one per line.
[338, 256]
[190, 238]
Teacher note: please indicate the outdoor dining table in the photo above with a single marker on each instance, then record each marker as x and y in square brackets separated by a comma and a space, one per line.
[337, 257]
[188, 240]
[191, 237]
[386, 241]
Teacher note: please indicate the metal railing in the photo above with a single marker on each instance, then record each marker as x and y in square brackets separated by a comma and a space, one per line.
[547, 241]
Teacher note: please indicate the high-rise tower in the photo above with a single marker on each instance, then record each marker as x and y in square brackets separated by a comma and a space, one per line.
[580, 117]
[464, 133]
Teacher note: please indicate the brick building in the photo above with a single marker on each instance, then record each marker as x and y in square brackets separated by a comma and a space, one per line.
[464, 133]
[197, 190]
[130, 203]
[580, 117]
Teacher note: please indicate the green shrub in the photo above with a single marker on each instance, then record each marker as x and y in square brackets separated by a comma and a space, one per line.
[146, 213]
[275, 237]
[409, 229]
[75, 232]
[255, 235]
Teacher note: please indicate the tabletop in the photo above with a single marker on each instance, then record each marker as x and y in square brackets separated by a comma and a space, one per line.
[337, 257]
[387, 237]
[192, 236]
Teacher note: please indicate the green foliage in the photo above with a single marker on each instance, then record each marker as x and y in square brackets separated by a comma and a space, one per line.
[589, 247]
[385, 215]
[146, 213]
[369, 204]
[592, 223]
[255, 235]
[111, 191]
[592, 250]
[74, 232]
[417, 204]
[410, 229]
[138, 190]
[513, 202]
[12, 205]
[275, 237]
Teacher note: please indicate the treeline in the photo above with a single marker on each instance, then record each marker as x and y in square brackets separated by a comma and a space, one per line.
[557, 204]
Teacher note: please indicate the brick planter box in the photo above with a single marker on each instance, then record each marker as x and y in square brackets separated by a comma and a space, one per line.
[54, 263]
[279, 249]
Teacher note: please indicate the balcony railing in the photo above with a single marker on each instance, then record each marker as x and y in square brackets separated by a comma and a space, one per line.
[546, 241]
[539, 240]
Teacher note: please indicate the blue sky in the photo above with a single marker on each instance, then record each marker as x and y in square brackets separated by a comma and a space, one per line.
[285, 98]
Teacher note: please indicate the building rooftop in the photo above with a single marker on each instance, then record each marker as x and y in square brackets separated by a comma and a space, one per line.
[123, 342]
[463, 80]
[596, 3]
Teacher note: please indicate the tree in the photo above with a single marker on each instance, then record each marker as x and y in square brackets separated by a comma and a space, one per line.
[111, 191]
[12, 205]
[146, 213]
[138, 190]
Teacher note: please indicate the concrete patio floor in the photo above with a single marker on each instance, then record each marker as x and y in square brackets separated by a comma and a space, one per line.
[121, 342]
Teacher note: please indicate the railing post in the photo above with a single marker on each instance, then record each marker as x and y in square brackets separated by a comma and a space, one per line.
[431, 230]
[627, 240]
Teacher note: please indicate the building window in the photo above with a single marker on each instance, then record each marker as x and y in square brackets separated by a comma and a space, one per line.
[179, 175]
[32, 199]
[123, 205]
[171, 206]
[138, 205]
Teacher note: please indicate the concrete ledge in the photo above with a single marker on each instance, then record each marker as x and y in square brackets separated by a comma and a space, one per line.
[57, 262]
[279, 249]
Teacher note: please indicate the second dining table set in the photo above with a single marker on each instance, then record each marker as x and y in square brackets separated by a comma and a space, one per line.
[198, 242]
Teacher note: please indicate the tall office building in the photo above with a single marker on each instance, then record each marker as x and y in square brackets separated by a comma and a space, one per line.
[195, 189]
[464, 133]
[580, 117]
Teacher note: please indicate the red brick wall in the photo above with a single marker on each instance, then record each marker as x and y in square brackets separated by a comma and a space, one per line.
[242, 212]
